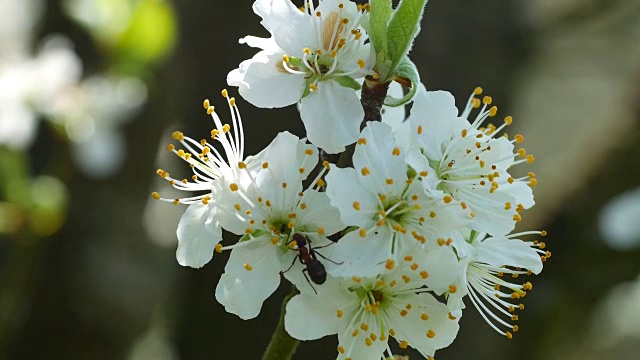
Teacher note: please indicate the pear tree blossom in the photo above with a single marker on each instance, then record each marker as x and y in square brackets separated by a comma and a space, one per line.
[199, 230]
[468, 161]
[366, 311]
[390, 210]
[268, 211]
[485, 262]
[409, 218]
[314, 56]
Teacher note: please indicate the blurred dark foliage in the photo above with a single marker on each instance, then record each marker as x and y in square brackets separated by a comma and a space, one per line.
[99, 282]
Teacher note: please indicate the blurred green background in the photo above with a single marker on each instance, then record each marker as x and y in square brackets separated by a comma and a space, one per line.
[90, 91]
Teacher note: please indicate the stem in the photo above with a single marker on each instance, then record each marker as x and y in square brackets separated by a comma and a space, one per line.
[282, 345]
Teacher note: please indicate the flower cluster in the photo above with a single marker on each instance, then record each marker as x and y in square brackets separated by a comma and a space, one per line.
[427, 208]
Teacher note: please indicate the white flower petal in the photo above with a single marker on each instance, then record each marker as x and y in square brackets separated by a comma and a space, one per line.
[267, 44]
[509, 252]
[332, 116]
[198, 233]
[394, 116]
[356, 346]
[311, 316]
[439, 261]
[274, 13]
[319, 213]
[344, 190]
[264, 84]
[361, 256]
[383, 158]
[243, 291]
[427, 336]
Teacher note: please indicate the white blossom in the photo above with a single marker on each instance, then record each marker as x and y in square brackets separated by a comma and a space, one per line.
[390, 210]
[199, 230]
[466, 161]
[366, 311]
[314, 55]
[268, 211]
[485, 262]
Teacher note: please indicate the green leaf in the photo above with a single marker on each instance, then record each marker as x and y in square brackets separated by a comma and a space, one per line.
[381, 11]
[151, 32]
[347, 82]
[406, 69]
[403, 29]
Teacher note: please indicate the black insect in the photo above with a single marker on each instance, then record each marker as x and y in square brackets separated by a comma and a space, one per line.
[307, 256]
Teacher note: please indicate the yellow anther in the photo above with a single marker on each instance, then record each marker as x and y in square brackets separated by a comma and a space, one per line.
[306, 51]
[424, 274]
[206, 103]
[508, 335]
[431, 334]
[404, 312]
[224, 93]
[226, 128]
[519, 138]
[267, 203]
[508, 120]
[321, 183]
[363, 233]
[211, 110]
[326, 165]
[155, 195]
[362, 141]
[176, 201]
[406, 279]
[308, 152]
[361, 63]
[364, 327]
[355, 332]
[419, 129]
[178, 135]
[487, 100]
[356, 205]
[233, 187]
[530, 159]
[232, 101]
[478, 91]
[341, 350]
[320, 230]
[453, 289]
[493, 111]
[313, 87]
[247, 267]
[396, 151]
[451, 317]
[275, 240]
[517, 217]
[205, 200]
[368, 341]
[533, 182]
[356, 279]
[365, 171]
[424, 317]
[543, 233]
[339, 313]
[390, 264]
[414, 266]
[284, 185]
[424, 173]
[447, 199]
[170, 147]
[389, 181]
[265, 165]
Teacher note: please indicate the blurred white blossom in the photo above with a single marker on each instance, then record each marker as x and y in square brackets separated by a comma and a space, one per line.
[619, 223]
